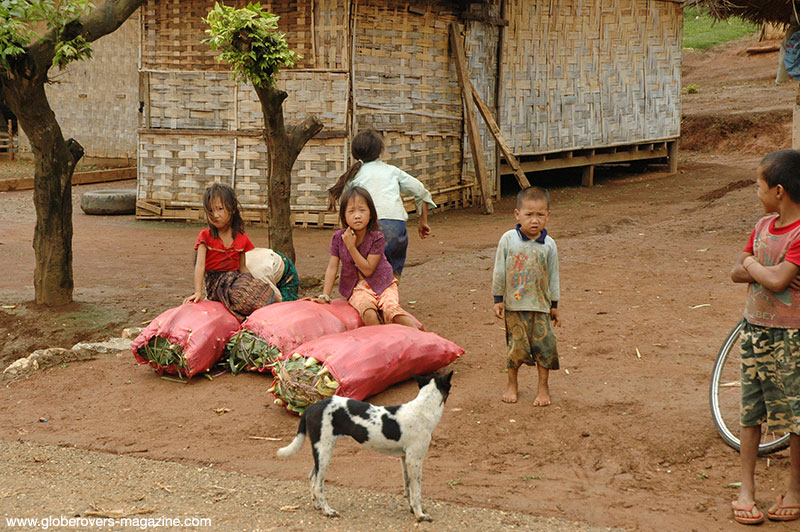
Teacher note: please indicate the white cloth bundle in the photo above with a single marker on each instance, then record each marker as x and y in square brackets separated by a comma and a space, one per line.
[266, 265]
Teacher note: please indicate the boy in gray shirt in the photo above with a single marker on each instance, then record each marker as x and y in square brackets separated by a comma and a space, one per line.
[526, 292]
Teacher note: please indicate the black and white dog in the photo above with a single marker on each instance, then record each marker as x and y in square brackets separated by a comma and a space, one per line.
[403, 430]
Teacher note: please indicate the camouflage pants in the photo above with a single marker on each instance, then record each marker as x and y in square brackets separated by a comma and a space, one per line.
[770, 378]
[530, 340]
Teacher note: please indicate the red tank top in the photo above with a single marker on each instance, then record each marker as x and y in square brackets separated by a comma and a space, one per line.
[772, 246]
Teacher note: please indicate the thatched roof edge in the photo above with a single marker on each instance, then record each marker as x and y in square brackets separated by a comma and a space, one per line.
[757, 11]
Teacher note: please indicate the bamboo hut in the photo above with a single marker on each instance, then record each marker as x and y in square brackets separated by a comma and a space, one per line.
[569, 83]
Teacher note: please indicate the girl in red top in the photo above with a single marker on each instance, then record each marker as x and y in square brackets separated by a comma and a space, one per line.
[220, 264]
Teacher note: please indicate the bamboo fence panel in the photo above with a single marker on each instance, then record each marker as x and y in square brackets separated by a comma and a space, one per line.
[331, 32]
[173, 31]
[482, 62]
[320, 93]
[405, 87]
[175, 169]
[663, 84]
[579, 74]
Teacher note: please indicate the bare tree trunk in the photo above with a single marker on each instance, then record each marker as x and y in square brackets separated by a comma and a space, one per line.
[283, 147]
[55, 162]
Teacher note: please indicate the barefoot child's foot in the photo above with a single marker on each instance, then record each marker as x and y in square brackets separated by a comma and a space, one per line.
[542, 399]
[510, 395]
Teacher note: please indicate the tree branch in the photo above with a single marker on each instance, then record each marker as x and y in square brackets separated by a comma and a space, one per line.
[300, 134]
[100, 21]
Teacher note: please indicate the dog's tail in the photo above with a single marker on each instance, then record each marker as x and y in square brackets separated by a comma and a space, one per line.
[298, 440]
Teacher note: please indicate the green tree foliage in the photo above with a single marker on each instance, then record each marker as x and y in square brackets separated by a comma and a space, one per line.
[19, 17]
[248, 39]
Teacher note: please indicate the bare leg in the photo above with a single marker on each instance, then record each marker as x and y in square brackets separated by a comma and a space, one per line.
[792, 495]
[370, 317]
[543, 395]
[403, 319]
[749, 438]
[510, 395]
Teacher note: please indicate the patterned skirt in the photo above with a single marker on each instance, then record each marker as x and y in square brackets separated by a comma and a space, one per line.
[240, 292]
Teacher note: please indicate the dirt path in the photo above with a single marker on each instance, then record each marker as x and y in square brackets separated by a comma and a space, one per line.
[628, 442]
[127, 493]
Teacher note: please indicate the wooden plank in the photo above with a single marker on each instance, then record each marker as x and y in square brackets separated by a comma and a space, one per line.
[78, 178]
[149, 207]
[585, 160]
[522, 179]
[471, 119]
[104, 176]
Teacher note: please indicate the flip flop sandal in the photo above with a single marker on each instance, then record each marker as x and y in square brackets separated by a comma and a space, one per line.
[757, 520]
[785, 517]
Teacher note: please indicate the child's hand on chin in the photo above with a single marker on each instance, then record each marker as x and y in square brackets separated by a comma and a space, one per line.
[349, 237]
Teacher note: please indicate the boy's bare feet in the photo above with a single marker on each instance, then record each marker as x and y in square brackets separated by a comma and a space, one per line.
[543, 394]
[510, 395]
[542, 398]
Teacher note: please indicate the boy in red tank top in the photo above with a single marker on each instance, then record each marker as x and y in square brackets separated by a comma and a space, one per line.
[770, 264]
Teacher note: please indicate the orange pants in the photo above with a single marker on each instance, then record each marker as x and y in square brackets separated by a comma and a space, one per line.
[387, 305]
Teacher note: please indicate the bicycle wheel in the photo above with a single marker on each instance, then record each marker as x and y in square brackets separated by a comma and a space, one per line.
[725, 398]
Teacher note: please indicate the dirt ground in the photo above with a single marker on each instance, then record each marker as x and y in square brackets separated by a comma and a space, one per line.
[628, 441]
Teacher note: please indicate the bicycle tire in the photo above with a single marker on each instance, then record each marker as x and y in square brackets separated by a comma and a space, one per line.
[726, 358]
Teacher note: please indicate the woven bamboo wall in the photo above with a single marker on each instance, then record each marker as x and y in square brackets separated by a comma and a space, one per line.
[405, 86]
[585, 74]
[173, 31]
[96, 102]
[211, 100]
[481, 48]
[200, 127]
[176, 167]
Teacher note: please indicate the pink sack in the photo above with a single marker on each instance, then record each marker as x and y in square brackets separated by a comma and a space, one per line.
[291, 323]
[361, 362]
[285, 326]
[195, 335]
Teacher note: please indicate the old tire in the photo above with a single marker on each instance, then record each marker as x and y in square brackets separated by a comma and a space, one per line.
[109, 202]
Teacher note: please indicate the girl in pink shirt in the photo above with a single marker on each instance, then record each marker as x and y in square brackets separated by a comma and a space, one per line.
[366, 280]
[220, 266]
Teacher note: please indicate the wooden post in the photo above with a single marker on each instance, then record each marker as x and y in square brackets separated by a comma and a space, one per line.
[471, 120]
[796, 120]
[672, 158]
[522, 179]
[499, 95]
[587, 177]
[11, 139]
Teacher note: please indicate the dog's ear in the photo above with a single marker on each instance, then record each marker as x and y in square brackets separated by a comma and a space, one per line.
[443, 384]
[422, 380]
[443, 381]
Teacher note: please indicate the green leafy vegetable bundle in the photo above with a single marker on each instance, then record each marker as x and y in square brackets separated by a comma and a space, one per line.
[247, 351]
[301, 381]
